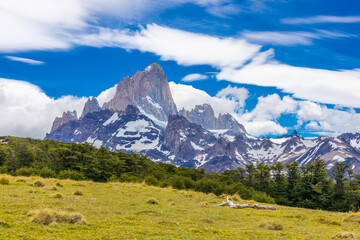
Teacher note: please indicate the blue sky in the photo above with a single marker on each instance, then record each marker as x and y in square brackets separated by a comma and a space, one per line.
[284, 64]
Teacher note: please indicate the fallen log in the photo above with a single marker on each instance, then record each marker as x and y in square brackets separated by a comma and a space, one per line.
[231, 204]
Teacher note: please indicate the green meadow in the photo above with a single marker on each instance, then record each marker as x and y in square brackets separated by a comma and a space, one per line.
[137, 211]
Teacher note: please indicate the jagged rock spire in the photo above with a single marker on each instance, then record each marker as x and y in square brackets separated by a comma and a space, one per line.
[92, 105]
[148, 90]
[66, 117]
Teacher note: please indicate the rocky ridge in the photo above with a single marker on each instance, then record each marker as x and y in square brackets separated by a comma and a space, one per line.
[142, 117]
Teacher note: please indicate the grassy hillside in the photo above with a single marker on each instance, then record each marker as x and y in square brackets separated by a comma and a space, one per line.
[121, 211]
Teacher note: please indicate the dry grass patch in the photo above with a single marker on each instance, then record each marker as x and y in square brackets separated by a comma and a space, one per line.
[272, 225]
[328, 222]
[345, 235]
[49, 216]
[152, 201]
[353, 217]
[59, 184]
[58, 196]
[39, 184]
[20, 180]
[78, 193]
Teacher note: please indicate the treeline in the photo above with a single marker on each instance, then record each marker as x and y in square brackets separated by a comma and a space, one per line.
[310, 186]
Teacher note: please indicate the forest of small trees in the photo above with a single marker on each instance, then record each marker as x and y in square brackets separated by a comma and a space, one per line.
[311, 186]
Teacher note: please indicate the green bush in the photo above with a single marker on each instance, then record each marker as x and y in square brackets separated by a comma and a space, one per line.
[151, 181]
[27, 171]
[73, 175]
[47, 173]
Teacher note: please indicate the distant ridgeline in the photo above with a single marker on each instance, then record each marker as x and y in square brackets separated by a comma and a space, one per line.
[143, 117]
[309, 186]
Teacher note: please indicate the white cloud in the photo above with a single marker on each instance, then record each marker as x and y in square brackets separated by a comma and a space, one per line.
[322, 19]
[188, 97]
[25, 60]
[270, 108]
[27, 112]
[225, 10]
[325, 86]
[38, 24]
[194, 77]
[316, 118]
[234, 94]
[258, 128]
[186, 48]
[107, 95]
[291, 38]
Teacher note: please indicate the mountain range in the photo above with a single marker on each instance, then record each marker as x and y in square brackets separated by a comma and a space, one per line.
[143, 117]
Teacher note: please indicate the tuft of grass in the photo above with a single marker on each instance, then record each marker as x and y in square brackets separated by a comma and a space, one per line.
[20, 180]
[204, 204]
[172, 204]
[59, 184]
[58, 195]
[39, 184]
[328, 222]
[54, 189]
[4, 224]
[78, 193]
[48, 216]
[344, 235]
[4, 181]
[353, 217]
[272, 225]
[152, 201]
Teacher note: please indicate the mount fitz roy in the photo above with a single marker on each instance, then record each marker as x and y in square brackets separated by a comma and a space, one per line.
[143, 117]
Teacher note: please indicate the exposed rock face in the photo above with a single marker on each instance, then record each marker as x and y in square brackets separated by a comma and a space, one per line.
[92, 105]
[183, 138]
[66, 117]
[148, 90]
[127, 130]
[204, 116]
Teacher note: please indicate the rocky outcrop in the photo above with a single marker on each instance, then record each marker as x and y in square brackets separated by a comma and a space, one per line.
[148, 90]
[92, 105]
[204, 115]
[66, 117]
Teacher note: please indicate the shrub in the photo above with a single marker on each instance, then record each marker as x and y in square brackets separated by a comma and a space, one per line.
[4, 181]
[78, 193]
[27, 171]
[59, 184]
[151, 181]
[49, 216]
[70, 174]
[152, 201]
[39, 184]
[164, 184]
[58, 195]
[47, 173]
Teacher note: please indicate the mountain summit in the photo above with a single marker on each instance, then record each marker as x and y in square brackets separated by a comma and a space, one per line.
[148, 90]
